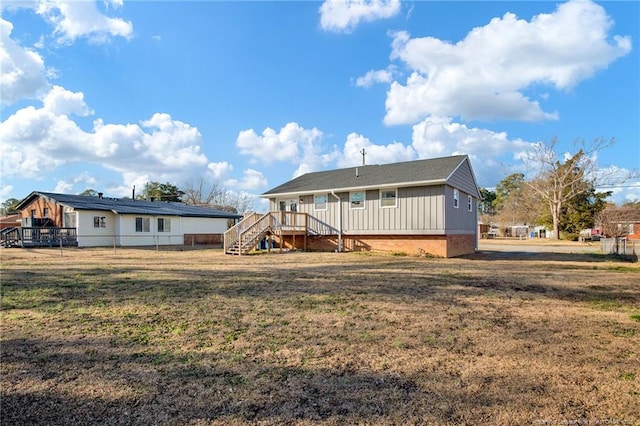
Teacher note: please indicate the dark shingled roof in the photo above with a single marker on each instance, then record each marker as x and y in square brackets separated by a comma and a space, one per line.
[431, 171]
[127, 206]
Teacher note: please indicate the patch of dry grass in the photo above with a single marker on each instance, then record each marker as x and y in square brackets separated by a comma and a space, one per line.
[196, 337]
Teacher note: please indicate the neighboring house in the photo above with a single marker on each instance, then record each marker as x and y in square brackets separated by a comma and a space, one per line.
[98, 221]
[10, 221]
[624, 222]
[415, 207]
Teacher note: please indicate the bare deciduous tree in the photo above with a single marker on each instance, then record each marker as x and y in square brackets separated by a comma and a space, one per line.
[559, 180]
[203, 192]
[616, 222]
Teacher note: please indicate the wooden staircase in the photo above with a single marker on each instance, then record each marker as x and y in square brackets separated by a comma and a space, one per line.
[247, 234]
[10, 237]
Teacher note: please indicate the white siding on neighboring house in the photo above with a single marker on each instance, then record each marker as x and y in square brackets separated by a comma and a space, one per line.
[90, 235]
[149, 236]
[199, 225]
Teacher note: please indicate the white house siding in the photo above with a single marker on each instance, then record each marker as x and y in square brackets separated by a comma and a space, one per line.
[129, 236]
[88, 235]
[200, 225]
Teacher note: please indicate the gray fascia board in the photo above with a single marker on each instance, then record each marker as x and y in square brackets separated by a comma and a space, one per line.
[357, 188]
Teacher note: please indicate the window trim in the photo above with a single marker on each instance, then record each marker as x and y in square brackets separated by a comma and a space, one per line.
[364, 200]
[166, 224]
[395, 198]
[99, 222]
[456, 198]
[469, 203]
[315, 202]
[143, 221]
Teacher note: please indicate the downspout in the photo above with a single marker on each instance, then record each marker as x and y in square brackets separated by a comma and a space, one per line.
[339, 221]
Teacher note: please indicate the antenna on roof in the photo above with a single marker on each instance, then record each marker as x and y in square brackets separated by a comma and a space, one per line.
[363, 152]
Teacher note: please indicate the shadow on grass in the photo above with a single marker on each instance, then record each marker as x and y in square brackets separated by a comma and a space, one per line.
[93, 381]
[397, 278]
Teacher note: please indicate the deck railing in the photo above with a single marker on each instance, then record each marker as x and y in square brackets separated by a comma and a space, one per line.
[232, 235]
[252, 229]
[39, 237]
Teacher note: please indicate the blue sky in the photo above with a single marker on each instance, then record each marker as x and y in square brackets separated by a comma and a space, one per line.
[111, 94]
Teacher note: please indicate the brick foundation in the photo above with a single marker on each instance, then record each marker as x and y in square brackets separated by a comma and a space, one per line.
[203, 239]
[436, 245]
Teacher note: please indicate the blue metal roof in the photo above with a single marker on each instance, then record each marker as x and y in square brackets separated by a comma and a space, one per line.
[128, 206]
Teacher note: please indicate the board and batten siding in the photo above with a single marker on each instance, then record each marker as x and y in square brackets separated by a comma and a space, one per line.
[463, 179]
[419, 211]
[460, 220]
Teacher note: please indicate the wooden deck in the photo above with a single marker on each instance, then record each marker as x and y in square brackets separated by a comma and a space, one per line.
[248, 234]
[38, 237]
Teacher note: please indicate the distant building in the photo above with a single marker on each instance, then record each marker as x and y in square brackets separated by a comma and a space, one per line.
[97, 221]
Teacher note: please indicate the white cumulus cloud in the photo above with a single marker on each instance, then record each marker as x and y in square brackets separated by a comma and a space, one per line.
[37, 140]
[22, 70]
[251, 180]
[293, 143]
[489, 151]
[76, 19]
[73, 19]
[374, 154]
[376, 76]
[220, 171]
[485, 75]
[345, 15]
[62, 101]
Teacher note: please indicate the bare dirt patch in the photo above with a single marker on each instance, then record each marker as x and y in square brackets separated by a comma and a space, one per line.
[197, 337]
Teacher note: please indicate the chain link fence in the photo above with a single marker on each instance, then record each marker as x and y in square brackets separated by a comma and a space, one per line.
[621, 247]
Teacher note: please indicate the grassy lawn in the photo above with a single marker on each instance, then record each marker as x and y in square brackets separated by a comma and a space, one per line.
[94, 336]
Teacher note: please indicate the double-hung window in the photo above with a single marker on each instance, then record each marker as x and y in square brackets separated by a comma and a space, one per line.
[388, 197]
[320, 202]
[456, 198]
[357, 199]
[164, 225]
[143, 224]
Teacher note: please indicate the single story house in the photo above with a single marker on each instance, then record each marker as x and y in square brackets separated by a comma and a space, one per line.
[416, 207]
[10, 221]
[88, 221]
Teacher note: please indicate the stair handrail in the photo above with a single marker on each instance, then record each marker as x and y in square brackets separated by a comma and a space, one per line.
[232, 235]
[255, 231]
